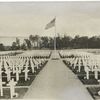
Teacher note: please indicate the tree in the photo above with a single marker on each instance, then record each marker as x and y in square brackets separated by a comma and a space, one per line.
[18, 43]
[66, 42]
[83, 41]
[94, 42]
[45, 41]
[2, 48]
[23, 46]
[58, 42]
[14, 46]
[28, 43]
[51, 43]
[34, 40]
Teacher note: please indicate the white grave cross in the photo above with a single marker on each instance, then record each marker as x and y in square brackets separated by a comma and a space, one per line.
[1, 88]
[26, 74]
[12, 88]
[8, 72]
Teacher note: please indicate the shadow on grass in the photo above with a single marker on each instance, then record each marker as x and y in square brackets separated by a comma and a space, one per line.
[22, 82]
[81, 75]
[94, 92]
[21, 92]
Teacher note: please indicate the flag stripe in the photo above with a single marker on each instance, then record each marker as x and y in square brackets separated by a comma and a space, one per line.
[50, 24]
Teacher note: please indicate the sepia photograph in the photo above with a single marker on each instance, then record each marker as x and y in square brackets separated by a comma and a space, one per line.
[50, 50]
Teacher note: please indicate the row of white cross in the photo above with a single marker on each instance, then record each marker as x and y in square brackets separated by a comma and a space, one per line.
[37, 53]
[89, 61]
[17, 65]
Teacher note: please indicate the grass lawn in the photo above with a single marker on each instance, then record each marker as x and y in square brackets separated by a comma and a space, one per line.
[89, 82]
[82, 74]
[94, 92]
[22, 81]
[21, 92]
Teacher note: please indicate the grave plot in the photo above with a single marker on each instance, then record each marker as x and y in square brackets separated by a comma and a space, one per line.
[39, 53]
[85, 65]
[6, 93]
[17, 73]
[87, 68]
[10, 53]
[94, 92]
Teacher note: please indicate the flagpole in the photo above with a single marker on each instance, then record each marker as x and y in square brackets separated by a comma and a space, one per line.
[51, 24]
[55, 38]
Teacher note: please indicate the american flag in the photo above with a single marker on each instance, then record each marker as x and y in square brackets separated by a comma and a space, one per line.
[50, 24]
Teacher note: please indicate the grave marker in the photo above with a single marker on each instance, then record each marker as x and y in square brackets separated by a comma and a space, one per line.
[12, 88]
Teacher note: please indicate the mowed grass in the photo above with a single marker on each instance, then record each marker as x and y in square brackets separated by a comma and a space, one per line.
[82, 74]
[94, 92]
[22, 82]
[92, 80]
[21, 92]
[94, 51]
[22, 85]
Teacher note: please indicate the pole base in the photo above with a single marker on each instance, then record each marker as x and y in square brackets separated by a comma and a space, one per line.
[55, 58]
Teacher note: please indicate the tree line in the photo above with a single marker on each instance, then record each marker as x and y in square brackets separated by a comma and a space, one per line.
[45, 42]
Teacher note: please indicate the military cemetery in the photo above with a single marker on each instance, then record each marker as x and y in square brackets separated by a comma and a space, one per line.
[19, 71]
[50, 50]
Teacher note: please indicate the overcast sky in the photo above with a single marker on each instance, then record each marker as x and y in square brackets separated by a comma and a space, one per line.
[23, 19]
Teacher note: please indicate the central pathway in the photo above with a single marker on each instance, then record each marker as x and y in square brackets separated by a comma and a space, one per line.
[57, 82]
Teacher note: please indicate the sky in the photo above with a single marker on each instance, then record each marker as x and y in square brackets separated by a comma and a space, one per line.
[72, 18]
